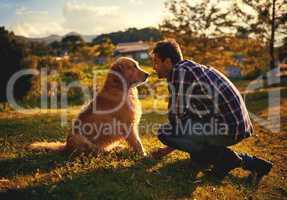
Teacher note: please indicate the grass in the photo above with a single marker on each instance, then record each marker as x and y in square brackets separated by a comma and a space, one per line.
[122, 174]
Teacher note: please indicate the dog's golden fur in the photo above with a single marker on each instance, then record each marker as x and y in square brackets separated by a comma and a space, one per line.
[117, 93]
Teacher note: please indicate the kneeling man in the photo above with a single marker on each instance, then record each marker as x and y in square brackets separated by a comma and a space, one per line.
[206, 114]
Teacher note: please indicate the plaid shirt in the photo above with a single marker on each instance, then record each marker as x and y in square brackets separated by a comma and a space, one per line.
[203, 93]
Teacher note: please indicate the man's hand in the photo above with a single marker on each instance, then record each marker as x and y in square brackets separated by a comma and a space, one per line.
[158, 154]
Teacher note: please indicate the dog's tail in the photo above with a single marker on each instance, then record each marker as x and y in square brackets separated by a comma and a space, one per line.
[47, 146]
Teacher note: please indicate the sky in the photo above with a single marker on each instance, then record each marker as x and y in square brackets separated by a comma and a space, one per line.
[40, 18]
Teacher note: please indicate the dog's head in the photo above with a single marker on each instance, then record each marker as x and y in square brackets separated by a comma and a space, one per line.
[129, 71]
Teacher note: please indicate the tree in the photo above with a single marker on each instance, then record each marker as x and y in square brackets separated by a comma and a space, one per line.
[265, 19]
[72, 42]
[130, 35]
[12, 54]
[196, 25]
[39, 48]
[106, 48]
[196, 20]
[56, 47]
[193, 24]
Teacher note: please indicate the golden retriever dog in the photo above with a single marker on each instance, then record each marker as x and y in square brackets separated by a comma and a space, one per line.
[113, 115]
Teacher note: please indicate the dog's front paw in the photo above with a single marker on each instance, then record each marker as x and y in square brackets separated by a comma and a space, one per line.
[143, 153]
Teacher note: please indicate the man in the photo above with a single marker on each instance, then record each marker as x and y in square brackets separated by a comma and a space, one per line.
[206, 115]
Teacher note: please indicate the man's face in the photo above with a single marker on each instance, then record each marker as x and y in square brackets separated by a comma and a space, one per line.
[162, 68]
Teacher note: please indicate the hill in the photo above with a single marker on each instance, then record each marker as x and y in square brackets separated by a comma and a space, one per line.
[53, 38]
[130, 35]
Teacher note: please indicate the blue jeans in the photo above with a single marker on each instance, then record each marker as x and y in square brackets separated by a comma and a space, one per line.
[185, 138]
[204, 148]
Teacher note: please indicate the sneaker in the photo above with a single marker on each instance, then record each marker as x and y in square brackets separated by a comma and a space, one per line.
[227, 161]
[220, 171]
[200, 160]
[258, 168]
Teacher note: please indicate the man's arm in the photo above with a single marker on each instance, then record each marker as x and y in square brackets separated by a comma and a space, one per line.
[176, 107]
[180, 82]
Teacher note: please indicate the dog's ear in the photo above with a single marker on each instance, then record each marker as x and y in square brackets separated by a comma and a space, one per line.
[115, 75]
[117, 67]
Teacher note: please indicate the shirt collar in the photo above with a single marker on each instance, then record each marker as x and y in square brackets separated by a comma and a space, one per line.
[179, 63]
[168, 78]
[174, 67]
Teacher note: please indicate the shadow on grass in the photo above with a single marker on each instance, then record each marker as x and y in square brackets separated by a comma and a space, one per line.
[31, 163]
[139, 181]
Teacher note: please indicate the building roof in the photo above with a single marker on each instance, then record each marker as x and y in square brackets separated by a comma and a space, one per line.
[132, 47]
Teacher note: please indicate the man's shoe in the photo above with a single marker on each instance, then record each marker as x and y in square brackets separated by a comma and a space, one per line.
[219, 171]
[200, 160]
[198, 163]
[258, 168]
[226, 161]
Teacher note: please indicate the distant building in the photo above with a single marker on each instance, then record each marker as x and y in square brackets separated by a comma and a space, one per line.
[281, 68]
[62, 56]
[283, 56]
[136, 50]
[233, 72]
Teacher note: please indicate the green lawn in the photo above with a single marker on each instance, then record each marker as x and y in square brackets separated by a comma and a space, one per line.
[121, 174]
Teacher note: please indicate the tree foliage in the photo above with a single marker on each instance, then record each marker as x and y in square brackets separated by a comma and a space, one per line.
[192, 24]
[257, 19]
[130, 35]
[205, 29]
[106, 48]
[265, 19]
[72, 42]
[12, 54]
[195, 20]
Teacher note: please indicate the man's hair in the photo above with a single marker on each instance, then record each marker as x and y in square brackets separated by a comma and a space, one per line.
[168, 48]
